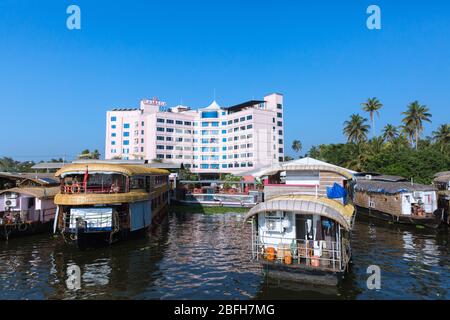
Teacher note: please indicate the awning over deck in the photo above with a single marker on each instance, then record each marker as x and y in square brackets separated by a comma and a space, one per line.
[301, 204]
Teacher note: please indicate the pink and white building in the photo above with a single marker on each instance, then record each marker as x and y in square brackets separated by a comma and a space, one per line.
[206, 140]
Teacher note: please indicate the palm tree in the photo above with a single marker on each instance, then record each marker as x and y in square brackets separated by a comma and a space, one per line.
[390, 132]
[442, 136]
[372, 105]
[408, 134]
[414, 118]
[356, 129]
[297, 146]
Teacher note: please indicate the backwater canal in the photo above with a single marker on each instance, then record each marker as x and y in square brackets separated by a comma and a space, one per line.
[200, 256]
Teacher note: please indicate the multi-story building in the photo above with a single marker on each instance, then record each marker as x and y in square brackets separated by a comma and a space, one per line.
[207, 140]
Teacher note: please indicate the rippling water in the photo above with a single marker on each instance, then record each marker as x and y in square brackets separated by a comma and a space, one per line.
[196, 256]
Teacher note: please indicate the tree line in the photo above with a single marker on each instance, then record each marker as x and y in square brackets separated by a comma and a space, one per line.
[397, 150]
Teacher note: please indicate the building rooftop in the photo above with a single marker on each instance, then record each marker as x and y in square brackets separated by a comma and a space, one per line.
[244, 105]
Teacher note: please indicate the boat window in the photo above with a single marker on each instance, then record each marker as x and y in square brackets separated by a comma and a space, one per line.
[137, 183]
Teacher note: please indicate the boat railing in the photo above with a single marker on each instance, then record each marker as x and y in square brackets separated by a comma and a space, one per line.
[325, 255]
[18, 217]
[96, 189]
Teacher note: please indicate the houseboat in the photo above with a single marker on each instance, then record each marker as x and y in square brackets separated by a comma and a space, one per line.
[302, 230]
[101, 203]
[396, 199]
[28, 207]
[442, 183]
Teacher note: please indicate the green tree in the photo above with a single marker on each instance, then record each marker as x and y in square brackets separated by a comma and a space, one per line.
[356, 129]
[372, 106]
[442, 137]
[87, 154]
[390, 132]
[415, 115]
[297, 146]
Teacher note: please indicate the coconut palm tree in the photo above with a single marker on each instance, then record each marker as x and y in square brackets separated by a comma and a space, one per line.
[297, 146]
[372, 105]
[442, 137]
[356, 129]
[408, 134]
[390, 132]
[415, 115]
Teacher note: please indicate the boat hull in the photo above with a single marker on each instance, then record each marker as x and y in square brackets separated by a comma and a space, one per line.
[14, 231]
[432, 221]
[301, 274]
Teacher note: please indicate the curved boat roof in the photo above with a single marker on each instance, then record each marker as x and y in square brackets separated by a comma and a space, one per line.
[302, 204]
[37, 192]
[126, 169]
[304, 164]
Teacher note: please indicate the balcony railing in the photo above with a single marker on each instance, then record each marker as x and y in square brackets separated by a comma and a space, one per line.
[302, 253]
[18, 217]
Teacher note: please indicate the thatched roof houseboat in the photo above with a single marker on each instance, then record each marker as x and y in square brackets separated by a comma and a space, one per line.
[395, 199]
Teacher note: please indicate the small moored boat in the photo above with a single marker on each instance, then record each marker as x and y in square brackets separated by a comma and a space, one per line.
[28, 208]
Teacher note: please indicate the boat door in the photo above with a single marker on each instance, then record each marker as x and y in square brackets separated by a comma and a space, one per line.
[406, 204]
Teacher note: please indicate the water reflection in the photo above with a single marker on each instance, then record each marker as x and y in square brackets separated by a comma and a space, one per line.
[195, 256]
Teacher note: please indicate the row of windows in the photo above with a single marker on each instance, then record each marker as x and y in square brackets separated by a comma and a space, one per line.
[205, 123]
[229, 165]
[204, 157]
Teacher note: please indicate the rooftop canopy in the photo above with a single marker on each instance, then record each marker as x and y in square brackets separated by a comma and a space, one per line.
[126, 169]
[40, 193]
[304, 164]
[390, 187]
[244, 105]
[306, 205]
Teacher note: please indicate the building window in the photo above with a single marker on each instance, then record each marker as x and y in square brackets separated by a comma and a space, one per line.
[160, 147]
[113, 118]
[113, 134]
[279, 123]
[126, 125]
[169, 147]
[179, 122]
[160, 120]
[280, 132]
[169, 121]
[215, 124]
[209, 114]
[126, 134]
[142, 123]
[169, 129]
[160, 156]
[160, 138]
[113, 126]
[249, 117]
[187, 123]
[279, 115]
[279, 106]
[160, 129]
[249, 126]
[126, 142]
[205, 124]
[113, 143]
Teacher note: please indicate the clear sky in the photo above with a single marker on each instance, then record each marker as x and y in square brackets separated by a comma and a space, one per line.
[56, 84]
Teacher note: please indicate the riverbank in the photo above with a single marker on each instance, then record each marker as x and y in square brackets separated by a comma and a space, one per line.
[199, 209]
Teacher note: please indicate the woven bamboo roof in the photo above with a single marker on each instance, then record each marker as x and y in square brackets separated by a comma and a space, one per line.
[37, 192]
[390, 187]
[302, 204]
[126, 169]
[442, 177]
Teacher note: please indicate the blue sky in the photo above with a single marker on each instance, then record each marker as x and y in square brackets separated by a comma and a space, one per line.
[56, 84]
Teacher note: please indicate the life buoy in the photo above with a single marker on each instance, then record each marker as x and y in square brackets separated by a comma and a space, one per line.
[76, 188]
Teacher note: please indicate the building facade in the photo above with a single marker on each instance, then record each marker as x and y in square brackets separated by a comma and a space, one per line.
[207, 140]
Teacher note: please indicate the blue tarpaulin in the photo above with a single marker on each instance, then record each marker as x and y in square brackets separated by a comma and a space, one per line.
[336, 191]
